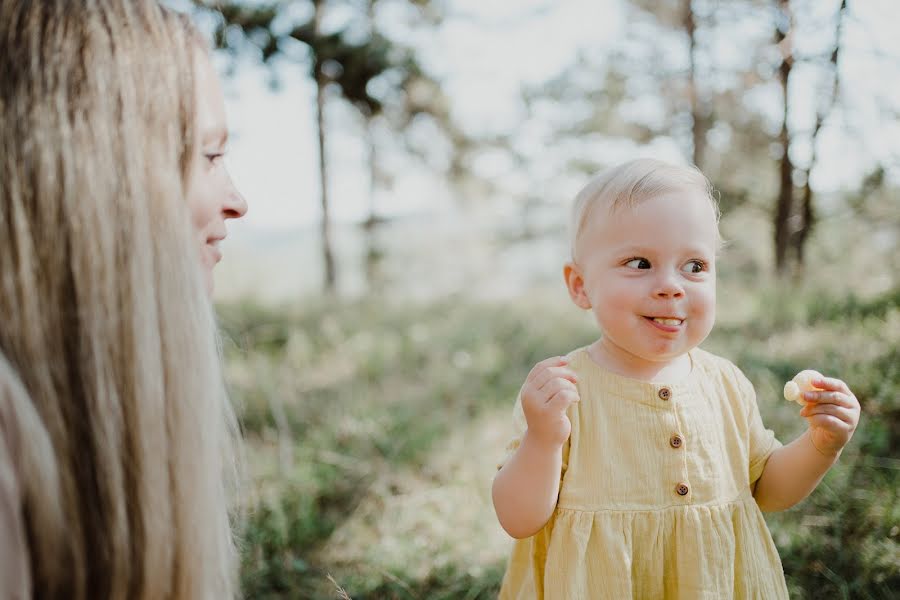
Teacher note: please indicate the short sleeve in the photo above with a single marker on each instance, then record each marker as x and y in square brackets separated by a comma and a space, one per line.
[519, 426]
[761, 441]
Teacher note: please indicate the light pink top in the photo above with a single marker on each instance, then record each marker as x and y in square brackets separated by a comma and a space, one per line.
[15, 571]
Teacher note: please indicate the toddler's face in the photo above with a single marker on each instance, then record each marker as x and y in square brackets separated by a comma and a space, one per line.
[647, 273]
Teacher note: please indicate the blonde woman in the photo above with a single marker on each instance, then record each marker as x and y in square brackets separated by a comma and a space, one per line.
[116, 437]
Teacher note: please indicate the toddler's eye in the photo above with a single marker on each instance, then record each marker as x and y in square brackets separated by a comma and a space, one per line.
[694, 266]
[638, 263]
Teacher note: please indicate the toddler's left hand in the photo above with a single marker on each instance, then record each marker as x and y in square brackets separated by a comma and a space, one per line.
[832, 412]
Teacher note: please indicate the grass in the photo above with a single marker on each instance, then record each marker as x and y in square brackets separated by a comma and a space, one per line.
[373, 430]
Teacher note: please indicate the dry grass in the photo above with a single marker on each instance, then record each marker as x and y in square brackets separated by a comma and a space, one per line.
[341, 592]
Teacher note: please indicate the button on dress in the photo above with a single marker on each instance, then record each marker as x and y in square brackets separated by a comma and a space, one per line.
[655, 497]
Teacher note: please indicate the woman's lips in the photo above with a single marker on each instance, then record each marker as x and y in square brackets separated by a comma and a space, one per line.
[215, 255]
[212, 246]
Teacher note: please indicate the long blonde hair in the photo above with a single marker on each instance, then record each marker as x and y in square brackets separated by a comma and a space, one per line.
[110, 375]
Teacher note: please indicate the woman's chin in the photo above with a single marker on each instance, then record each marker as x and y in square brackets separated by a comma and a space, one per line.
[208, 280]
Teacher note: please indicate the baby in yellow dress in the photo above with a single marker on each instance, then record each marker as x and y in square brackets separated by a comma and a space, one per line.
[640, 463]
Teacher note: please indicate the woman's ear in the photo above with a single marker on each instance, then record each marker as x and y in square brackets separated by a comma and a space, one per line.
[575, 283]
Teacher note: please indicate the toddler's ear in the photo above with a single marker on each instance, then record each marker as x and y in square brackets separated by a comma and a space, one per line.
[575, 283]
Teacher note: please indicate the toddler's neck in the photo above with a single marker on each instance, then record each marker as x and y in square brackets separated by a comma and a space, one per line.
[635, 367]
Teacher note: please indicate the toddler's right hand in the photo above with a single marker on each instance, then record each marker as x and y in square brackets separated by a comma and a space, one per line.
[548, 391]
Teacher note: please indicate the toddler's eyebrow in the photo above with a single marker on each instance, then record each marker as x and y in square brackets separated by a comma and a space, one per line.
[633, 250]
[639, 250]
[700, 250]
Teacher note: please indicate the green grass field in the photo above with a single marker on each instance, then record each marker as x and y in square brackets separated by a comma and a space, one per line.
[373, 430]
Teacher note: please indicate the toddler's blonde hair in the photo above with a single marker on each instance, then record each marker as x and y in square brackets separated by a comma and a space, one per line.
[632, 182]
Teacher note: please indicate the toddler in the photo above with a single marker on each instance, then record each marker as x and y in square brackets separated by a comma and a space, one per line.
[641, 463]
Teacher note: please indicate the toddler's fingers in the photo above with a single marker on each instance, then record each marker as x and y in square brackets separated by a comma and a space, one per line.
[838, 398]
[553, 361]
[846, 415]
[557, 385]
[831, 384]
[831, 423]
[551, 373]
[561, 400]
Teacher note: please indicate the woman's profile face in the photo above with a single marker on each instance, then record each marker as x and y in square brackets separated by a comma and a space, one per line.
[211, 195]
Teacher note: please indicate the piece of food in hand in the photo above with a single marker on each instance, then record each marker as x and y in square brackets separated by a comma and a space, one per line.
[802, 382]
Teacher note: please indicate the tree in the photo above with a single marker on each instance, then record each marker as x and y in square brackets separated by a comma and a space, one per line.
[794, 215]
[666, 82]
[784, 203]
[699, 113]
[736, 115]
[681, 16]
[348, 60]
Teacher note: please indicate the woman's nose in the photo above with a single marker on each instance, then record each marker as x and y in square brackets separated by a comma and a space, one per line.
[235, 205]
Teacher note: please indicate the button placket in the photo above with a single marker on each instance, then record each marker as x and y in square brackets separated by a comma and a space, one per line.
[676, 440]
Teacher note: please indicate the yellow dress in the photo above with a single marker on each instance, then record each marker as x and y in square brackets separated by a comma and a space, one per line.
[655, 500]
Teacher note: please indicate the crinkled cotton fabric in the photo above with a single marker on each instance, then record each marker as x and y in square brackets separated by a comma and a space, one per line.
[656, 496]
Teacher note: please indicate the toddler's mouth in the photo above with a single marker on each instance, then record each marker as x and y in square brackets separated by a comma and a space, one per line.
[668, 321]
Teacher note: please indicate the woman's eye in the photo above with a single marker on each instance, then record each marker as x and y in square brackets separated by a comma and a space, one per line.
[638, 263]
[214, 157]
[694, 266]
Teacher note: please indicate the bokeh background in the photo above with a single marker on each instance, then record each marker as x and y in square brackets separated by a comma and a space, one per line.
[409, 167]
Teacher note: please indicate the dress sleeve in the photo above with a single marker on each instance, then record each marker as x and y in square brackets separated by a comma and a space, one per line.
[520, 424]
[762, 441]
[15, 568]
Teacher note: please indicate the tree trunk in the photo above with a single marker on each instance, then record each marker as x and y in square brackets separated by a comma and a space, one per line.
[807, 212]
[699, 120]
[321, 83]
[784, 204]
[806, 219]
[373, 251]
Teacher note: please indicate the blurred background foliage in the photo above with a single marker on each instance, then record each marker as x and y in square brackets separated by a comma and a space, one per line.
[374, 429]
[374, 414]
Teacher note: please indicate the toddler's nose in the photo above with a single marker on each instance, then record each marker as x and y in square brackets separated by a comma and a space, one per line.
[668, 287]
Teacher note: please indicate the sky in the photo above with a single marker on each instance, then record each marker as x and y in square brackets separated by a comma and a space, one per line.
[273, 154]
[483, 62]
